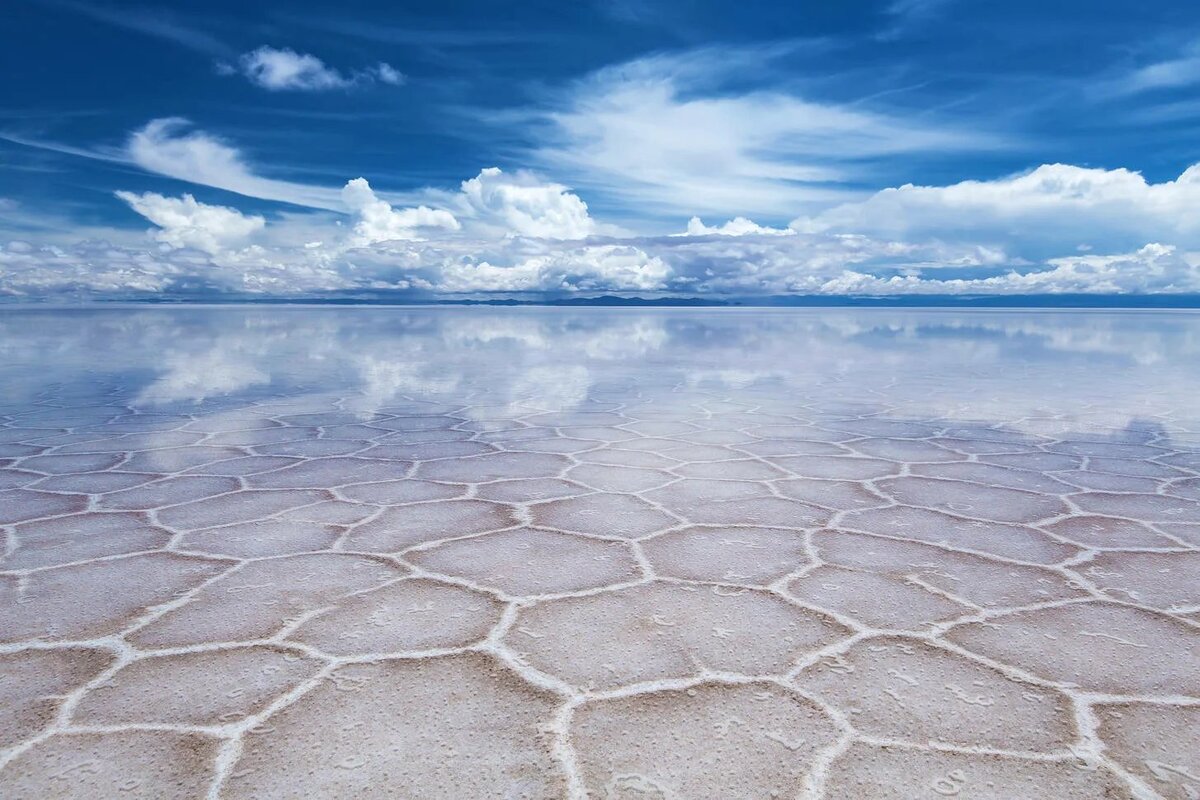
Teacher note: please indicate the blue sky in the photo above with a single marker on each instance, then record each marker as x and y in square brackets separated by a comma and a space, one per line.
[748, 148]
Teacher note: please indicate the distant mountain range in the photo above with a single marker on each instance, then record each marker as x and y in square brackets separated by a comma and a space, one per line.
[1164, 301]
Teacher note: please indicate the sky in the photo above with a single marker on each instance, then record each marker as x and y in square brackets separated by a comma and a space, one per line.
[200, 150]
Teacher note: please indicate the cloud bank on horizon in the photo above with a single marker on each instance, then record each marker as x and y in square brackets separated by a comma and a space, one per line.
[708, 169]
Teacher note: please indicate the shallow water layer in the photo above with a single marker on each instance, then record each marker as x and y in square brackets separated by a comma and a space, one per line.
[519, 553]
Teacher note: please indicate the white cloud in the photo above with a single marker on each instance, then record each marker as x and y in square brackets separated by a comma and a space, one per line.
[523, 205]
[738, 226]
[587, 268]
[283, 69]
[379, 222]
[1173, 73]
[493, 203]
[1056, 229]
[769, 264]
[183, 222]
[749, 265]
[28, 270]
[1154, 268]
[388, 74]
[665, 134]
[1048, 211]
[165, 147]
[497, 206]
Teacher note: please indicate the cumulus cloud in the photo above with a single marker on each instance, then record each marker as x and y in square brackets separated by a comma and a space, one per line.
[1038, 213]
[183, 222]
[379, 222]
[523, 205]
[1154, 268]
[283, 69]
[1055, 229]
[738, 226]
[493, 203]
[496, 206]
[587, 268]
[747, 266]
[94, 267]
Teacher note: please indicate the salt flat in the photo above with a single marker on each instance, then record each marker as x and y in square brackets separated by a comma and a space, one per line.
[460, 553]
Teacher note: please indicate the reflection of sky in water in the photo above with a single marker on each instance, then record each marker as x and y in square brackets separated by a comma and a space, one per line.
[1033, 370]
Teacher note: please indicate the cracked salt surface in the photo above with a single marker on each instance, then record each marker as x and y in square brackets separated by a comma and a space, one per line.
[599, 554]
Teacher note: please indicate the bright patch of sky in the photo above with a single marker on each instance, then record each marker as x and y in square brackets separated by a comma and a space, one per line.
[649, 147]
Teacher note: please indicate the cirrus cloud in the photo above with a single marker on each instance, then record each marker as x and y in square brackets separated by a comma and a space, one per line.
[167, 147]
[668, 132]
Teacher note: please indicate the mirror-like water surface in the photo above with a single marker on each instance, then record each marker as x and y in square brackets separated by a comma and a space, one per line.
[1092, 366]
[261, 552]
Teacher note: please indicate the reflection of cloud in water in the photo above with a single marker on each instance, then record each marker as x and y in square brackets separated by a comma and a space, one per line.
[1088, 332]
[190, 377]
[529, 333]
[550, 389]
[978, 365]
[532, 390]
[730, 378]
[596, 337]
[385, 380]
[636, 338]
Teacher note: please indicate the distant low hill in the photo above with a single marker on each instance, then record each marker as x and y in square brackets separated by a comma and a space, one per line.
[1165, 301]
